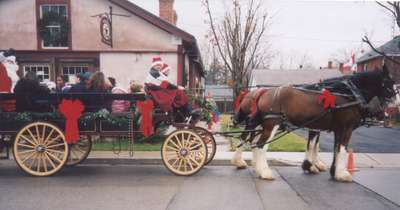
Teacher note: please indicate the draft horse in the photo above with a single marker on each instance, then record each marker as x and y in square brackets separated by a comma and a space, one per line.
[357, 97]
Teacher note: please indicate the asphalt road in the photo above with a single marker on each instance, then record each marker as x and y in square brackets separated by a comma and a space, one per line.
[365, 140]
[153, 187]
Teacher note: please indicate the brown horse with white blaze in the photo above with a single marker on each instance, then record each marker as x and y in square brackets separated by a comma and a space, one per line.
[302, 108]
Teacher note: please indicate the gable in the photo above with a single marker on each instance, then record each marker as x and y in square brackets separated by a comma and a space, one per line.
[129, 33]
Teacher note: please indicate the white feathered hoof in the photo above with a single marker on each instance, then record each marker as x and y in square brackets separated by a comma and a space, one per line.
[321, 165]
[238, 161]
[266, 174]
[314, 169]
[343, 176]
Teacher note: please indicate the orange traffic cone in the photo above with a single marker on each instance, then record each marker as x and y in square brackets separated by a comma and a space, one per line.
[350, 162]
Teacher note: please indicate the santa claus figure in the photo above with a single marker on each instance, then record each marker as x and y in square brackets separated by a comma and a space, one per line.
[12, 67]
[8, 79]
[167, 95]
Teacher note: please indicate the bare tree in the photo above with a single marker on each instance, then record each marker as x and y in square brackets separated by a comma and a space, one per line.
[239, 38]
[393, 7]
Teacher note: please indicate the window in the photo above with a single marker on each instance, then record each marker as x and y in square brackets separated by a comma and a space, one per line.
[74, 70]
[42, 71]
[54, 29]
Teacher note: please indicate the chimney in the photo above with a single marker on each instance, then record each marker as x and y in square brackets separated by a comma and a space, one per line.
[167, 11]
[330, 64]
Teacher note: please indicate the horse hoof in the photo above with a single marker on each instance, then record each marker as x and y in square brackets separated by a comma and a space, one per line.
[240, 164]
[343, 176]
[314, 169]
[320, 165]
[266, 174]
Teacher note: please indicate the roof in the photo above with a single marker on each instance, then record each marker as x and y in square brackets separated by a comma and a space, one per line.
[164, 25]
[219, 92]
[390, 48]
[291, 77]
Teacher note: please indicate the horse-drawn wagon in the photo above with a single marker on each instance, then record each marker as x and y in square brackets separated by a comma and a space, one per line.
[41, 147]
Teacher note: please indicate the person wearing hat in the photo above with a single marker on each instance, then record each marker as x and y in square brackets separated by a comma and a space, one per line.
[166, 94]
[8, 80]
[81, 83]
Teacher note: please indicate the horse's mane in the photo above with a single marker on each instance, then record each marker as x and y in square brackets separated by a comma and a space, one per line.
[336, 84]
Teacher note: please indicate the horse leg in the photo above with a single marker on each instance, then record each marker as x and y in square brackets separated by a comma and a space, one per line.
[309, 160]
[237, 158]
[317, 160]
[260, 155]
[338, 169]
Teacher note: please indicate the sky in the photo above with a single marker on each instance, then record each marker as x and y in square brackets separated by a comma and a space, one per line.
[317, 30]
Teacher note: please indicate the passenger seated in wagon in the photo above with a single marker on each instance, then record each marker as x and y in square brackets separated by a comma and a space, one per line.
[166, 95]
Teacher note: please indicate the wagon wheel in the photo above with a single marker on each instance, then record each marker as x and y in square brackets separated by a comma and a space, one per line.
[209, 140]
[80, 151]
[184, 153]
[40, 149]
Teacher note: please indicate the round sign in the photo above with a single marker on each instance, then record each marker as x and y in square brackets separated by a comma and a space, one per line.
[105, 29]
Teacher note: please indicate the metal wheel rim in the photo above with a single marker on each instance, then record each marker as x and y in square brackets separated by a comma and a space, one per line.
[40, 149]
[80, 151]
[209, 140]
[174, 148]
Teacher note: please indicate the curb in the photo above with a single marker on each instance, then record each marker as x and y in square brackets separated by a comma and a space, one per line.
[130, 161]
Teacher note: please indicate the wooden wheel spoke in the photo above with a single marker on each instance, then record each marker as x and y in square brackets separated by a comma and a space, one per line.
[194, 146]
[190, 164]
[185, 164]
[28, 157]
[44, 163]
[26, 146]
[55, 145]
[52, 140]
[26, 152]
[33, 137]
[43, 132]
[28, 140]
[48, 136]
[174, 163]
[178, 141]
[39, 161]
[193, 160]
[53, 157]
[50, 161]
[173, 148]
[55, 151]
[33, 161]
[180, 163]
[176, 146]
[38, 134]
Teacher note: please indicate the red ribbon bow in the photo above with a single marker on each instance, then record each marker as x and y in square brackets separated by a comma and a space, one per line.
[145, 109]
[328, 99]
[72, 110]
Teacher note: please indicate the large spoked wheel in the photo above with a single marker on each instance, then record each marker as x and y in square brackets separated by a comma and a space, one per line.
[80, 151]
[209, 140]
[40, 149]
[184, 153]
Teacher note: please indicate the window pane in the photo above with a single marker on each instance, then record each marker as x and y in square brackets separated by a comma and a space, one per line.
[63, 11]
[71, 71]
[33, 68]
[39, 68]
[46, 70]
[54, 9]
[45, 9]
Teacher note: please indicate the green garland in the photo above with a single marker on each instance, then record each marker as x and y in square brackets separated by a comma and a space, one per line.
[207, 106]
[52, 18]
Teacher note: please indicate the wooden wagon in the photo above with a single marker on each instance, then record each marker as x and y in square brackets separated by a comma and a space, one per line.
[40, 148]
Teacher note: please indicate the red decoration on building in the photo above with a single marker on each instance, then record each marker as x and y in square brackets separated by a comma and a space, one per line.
[145, 109]
[72, 110]
[328, 99]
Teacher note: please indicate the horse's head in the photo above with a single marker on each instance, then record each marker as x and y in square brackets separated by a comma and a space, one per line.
[377, 88]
